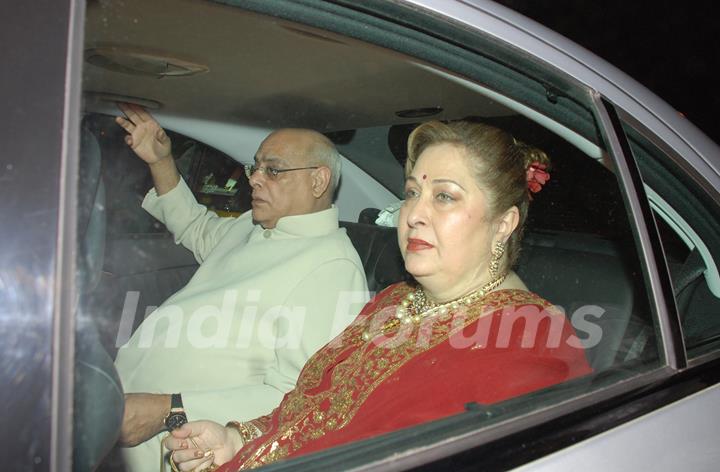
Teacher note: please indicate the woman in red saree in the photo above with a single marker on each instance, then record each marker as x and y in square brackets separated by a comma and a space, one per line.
[468, 331]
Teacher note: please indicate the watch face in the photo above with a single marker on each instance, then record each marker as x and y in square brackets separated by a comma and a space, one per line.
[175, 420]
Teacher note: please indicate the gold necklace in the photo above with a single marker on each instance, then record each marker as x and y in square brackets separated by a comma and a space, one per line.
[416, 306]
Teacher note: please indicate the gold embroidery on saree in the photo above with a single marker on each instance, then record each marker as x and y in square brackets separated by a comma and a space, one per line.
[307, 415]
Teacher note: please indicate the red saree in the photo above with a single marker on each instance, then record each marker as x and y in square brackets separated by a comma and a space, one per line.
[509, 343]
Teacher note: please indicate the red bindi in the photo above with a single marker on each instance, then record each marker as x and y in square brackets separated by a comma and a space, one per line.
[424, 176]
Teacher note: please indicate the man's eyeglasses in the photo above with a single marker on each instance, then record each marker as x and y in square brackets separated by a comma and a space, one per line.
[270, 172]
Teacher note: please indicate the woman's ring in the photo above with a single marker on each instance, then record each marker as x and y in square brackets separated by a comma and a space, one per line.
[172, 463]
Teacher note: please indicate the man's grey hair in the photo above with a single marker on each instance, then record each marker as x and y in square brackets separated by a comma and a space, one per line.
[326, 154]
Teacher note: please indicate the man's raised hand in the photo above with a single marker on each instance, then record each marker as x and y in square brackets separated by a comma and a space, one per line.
[145, 136]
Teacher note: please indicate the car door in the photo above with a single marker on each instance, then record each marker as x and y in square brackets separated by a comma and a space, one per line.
[40, 138]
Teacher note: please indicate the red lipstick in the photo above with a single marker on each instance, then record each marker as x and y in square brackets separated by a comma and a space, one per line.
[418, 245]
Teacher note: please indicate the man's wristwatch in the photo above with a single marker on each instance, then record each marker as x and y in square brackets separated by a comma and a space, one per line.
[176, 417]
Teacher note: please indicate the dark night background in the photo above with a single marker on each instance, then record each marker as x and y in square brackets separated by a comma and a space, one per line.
[671, 47]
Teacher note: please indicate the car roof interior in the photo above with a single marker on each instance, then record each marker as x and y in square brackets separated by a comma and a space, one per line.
[211, 62]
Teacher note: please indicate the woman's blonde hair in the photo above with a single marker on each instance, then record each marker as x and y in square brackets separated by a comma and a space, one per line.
[499, 163]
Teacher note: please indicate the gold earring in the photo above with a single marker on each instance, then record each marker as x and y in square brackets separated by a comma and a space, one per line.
[497, 253]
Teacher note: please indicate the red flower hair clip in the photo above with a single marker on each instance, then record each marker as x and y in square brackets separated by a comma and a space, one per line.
[536, 176]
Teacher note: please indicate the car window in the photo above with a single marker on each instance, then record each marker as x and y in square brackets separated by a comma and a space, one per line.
[687, 221]
[249, 67]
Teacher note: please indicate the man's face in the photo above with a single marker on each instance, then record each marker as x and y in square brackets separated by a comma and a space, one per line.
[288, 193]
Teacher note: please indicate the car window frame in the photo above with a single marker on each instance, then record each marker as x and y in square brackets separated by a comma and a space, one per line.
[63, 326]
[648, 242]
[63, 363]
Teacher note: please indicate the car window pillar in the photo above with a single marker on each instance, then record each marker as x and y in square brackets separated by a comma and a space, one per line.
[648, 240]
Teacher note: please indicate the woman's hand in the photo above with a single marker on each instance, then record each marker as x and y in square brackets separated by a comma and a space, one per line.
[199, 444]
[145, 135]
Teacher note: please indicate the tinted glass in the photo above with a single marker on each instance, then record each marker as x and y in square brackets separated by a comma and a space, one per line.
[221, 76]
[687, 220]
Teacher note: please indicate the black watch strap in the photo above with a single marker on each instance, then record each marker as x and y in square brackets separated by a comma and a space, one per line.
[176, 417]
[175, 401]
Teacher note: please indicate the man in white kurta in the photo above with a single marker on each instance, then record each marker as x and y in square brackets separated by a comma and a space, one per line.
[274, 285]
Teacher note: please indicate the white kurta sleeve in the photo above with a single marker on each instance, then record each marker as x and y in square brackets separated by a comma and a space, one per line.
[191, 224]
[317, 309]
